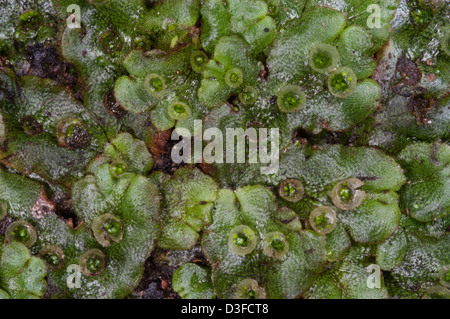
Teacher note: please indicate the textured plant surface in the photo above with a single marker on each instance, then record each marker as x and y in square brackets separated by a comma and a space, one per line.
[88, 187]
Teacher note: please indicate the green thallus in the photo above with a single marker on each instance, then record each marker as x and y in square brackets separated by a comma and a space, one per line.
[98, 2]
[421, 16]
[3, 210]
[437, 292]
[344, 195]
[287, 218]
[445, 42]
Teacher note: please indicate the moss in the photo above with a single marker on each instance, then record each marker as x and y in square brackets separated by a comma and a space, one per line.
[131, 197]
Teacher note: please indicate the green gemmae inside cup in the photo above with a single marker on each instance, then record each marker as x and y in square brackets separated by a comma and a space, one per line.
[346, 194]
[53, 256]
[110, 42]
[107, 229]
[291, 99]
[249, 95]
[21, 231]
[275, 245]
[323, 219]
[118, 168]
[92, 262]
[421, 16]
[199, 59]
[234, 78]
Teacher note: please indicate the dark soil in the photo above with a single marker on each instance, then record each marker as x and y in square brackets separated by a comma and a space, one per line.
[420, 107]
